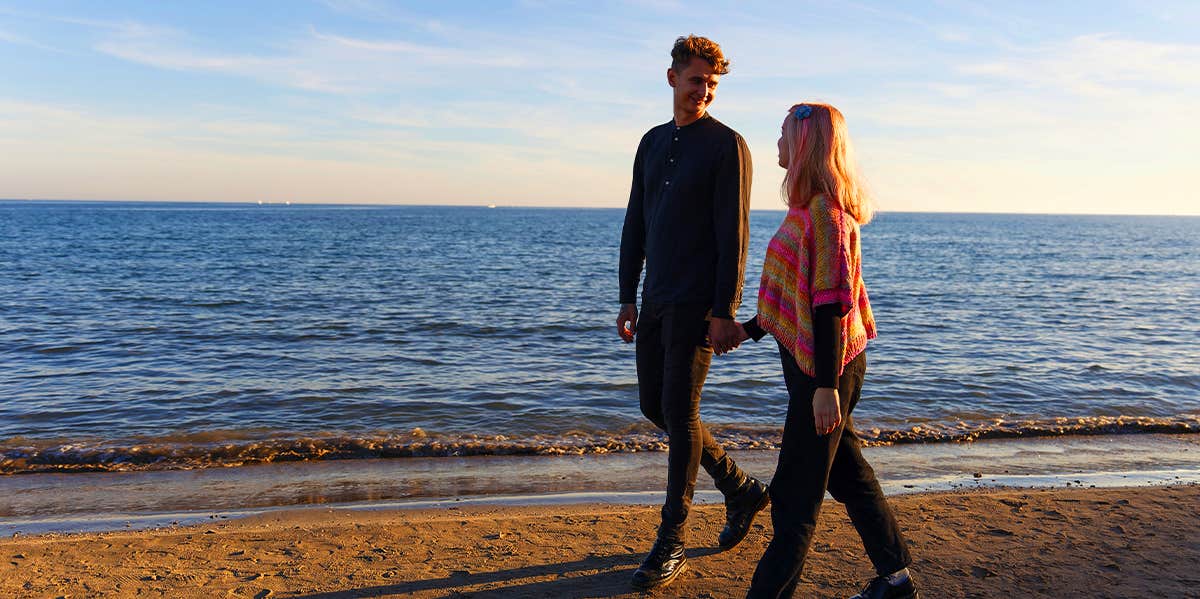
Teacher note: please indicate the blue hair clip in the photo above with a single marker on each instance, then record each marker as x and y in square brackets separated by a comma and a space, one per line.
[802, 112]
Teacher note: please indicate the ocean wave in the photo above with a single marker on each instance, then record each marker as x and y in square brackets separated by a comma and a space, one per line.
[467, 329]
[231, 449]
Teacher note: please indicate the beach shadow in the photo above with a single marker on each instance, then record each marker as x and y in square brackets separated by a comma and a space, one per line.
[607, 582]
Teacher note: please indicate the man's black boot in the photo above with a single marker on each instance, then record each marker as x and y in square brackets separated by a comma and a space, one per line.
[665, 562]
[880, 588]
[740, 510]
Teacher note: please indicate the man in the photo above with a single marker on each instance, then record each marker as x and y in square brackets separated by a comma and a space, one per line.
[687, 221]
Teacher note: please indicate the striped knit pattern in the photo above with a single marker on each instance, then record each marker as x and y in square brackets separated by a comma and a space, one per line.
[815, 259]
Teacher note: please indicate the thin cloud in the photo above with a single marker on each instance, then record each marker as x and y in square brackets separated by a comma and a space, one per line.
[392, 118]
[429, 55]
[956, 91]
[168, 48]
[555, 130]
[182, 60]
[19, 40]
[953, 35]
[1098, 64]
[656, 5]
[317, 61]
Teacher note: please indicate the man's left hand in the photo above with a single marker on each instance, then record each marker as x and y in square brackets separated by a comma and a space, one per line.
[723, 334]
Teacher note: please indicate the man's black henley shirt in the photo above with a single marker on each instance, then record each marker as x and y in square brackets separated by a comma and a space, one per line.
[688, 217]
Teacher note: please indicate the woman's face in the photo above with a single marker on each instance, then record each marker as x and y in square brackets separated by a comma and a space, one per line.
[783, 149]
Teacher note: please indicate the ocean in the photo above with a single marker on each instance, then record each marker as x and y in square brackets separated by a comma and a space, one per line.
[166, 336]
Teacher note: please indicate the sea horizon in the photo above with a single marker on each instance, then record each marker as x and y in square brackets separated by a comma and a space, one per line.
[780, 209]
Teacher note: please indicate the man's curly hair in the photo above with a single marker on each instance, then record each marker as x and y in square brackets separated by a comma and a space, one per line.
[694, 46]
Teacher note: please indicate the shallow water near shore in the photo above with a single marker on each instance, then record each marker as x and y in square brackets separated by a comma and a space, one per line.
[109, 501]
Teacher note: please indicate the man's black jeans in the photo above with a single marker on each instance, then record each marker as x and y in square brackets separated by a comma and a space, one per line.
[809, 464]
[673, 357]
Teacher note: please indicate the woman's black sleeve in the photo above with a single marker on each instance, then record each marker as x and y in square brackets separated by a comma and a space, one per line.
[827, 337]
[751, 326]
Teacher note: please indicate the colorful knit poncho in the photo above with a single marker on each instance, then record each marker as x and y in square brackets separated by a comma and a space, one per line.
[815, 259]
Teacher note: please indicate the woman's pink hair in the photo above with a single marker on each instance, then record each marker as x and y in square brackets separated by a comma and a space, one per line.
[821, 162]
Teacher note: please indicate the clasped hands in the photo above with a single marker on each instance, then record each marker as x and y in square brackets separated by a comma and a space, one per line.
[724, 334]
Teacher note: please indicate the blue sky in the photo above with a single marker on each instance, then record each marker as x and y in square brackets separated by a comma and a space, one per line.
[953, 106]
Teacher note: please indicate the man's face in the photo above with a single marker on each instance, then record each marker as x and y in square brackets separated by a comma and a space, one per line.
[695, 86]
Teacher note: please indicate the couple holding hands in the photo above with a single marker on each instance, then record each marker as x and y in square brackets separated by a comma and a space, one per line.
[687, 223]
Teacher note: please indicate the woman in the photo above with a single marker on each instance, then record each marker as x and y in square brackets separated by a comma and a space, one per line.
[813, 301]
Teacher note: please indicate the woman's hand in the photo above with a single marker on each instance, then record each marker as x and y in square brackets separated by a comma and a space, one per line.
[827, 410]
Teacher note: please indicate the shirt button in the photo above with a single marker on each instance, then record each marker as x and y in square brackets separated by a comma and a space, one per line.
[668, 182]
[676, 139]
[672, 160]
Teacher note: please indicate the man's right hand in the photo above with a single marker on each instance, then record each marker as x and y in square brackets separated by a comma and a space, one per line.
[741, 336]
[627, 322]
[724, 334]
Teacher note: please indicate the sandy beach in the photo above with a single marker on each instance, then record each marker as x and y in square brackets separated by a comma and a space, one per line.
[1117, 542]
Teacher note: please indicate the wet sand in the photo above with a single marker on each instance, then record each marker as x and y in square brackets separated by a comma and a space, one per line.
[99, 501]
[1116, 542]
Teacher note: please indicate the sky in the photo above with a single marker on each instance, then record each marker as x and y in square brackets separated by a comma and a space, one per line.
[953, 106]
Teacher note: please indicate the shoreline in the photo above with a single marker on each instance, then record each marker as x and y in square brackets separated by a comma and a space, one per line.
[1112, 542]
[20, 456]
[45, 503]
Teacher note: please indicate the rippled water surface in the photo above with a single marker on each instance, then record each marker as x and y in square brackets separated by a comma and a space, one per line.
[135, 334]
